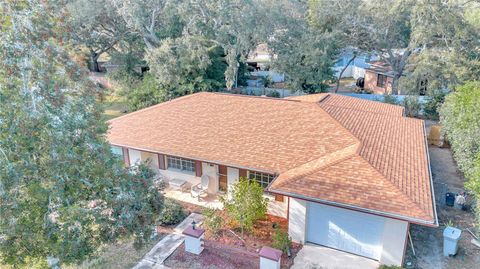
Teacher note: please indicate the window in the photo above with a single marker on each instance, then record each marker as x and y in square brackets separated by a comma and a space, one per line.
[262, 178]
[117, 151]
[180, 164]
[381, 80]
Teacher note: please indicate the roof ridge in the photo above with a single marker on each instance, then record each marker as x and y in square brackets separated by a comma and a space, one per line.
[386, 180]
[319, 163]
[361, 144]
[254, 96]
[362, 110]
[156, 105]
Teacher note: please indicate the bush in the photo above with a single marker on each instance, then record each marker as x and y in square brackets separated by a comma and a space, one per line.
[273, 94]
[213, 222]
[434, 102]
[172, 213]
[412, 106]
[247, 203]
[390, 99]
[281, 240]
[389, 267]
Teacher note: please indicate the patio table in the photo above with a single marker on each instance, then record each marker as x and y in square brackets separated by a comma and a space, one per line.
[178, 183]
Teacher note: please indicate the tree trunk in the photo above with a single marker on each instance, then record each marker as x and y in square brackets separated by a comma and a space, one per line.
[343, 70]
[94, 67]
[395, 84]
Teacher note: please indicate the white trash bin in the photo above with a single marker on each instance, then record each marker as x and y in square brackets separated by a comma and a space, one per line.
[450, 240]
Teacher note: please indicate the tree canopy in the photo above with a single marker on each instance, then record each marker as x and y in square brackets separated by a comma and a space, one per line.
[62, 192]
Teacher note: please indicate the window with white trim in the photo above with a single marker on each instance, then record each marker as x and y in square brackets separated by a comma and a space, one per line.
[180, 164]
[262, 178]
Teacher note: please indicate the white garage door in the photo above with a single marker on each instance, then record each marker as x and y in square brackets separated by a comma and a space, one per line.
[345, 230]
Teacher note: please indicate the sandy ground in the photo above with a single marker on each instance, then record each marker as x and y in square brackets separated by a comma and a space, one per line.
[428, 242]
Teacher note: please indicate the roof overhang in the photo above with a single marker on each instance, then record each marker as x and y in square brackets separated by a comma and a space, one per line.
[433, 223]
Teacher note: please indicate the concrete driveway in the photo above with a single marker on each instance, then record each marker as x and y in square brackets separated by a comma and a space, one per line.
[313, 256]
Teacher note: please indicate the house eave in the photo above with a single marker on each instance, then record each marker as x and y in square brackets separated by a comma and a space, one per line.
[422, 222]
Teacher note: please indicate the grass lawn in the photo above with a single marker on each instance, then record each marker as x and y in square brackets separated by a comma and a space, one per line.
[120, 255]
[114, 107]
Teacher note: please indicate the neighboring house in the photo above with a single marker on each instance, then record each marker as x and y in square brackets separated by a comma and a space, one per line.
[258, 61]
[352, 174]
[379, 78]
[356, 69]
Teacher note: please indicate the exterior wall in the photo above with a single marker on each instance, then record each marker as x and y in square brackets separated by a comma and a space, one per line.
[371, 83]
[212, 171]
[277, 208]
[297, 220]
[394, 237]
[232, 176]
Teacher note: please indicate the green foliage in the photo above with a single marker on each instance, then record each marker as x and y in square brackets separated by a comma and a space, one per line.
[412, 106]
[460, 118]
[62, 192]
[273, 94]
[281, 240]
[383, 266]
[146, 92]
[247, 203]
[172, 213]
[390, 99]
[433, 104]
[213, 222]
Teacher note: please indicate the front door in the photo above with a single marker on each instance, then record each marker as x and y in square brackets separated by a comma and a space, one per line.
[222, 178]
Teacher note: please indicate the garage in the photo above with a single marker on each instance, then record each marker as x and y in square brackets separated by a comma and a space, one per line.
[346, 230]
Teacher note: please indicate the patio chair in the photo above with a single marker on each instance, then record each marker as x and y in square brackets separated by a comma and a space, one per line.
[200, 190]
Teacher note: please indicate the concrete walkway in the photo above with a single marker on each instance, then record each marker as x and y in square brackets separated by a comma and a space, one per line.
[314, 256]
[164, 248]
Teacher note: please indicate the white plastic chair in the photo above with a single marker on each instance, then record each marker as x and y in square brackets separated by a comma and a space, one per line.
[201, 188]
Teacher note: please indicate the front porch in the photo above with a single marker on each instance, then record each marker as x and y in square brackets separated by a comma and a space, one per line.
[274, 208]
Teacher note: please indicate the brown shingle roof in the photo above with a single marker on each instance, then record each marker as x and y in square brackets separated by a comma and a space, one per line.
[351, 103]
[265, 134]
[329, 147]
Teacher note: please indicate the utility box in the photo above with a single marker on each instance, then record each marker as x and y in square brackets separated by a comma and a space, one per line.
[270, 258]
[194, 238]
[450, 241]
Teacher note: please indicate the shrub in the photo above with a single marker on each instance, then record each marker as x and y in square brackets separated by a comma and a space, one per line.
[247, 203]
[172, 213]
[412, 106]
[213, 222]
[281, 240]
[390, 99]
[273, 94]
[389, 267]
[434, 101]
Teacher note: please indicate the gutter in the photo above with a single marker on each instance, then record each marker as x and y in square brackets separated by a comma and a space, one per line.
[357, 208]
[430, 175]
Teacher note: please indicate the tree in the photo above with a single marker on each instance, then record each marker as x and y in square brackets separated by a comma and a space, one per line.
[62, 192]
[246, 204]
[305, 55]
[96, 26]
[340, 18]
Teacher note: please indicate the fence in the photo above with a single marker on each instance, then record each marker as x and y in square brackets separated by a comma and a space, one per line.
[258, 91]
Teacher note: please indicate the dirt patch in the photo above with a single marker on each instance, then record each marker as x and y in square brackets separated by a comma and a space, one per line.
[428, 242]
[231, 249]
